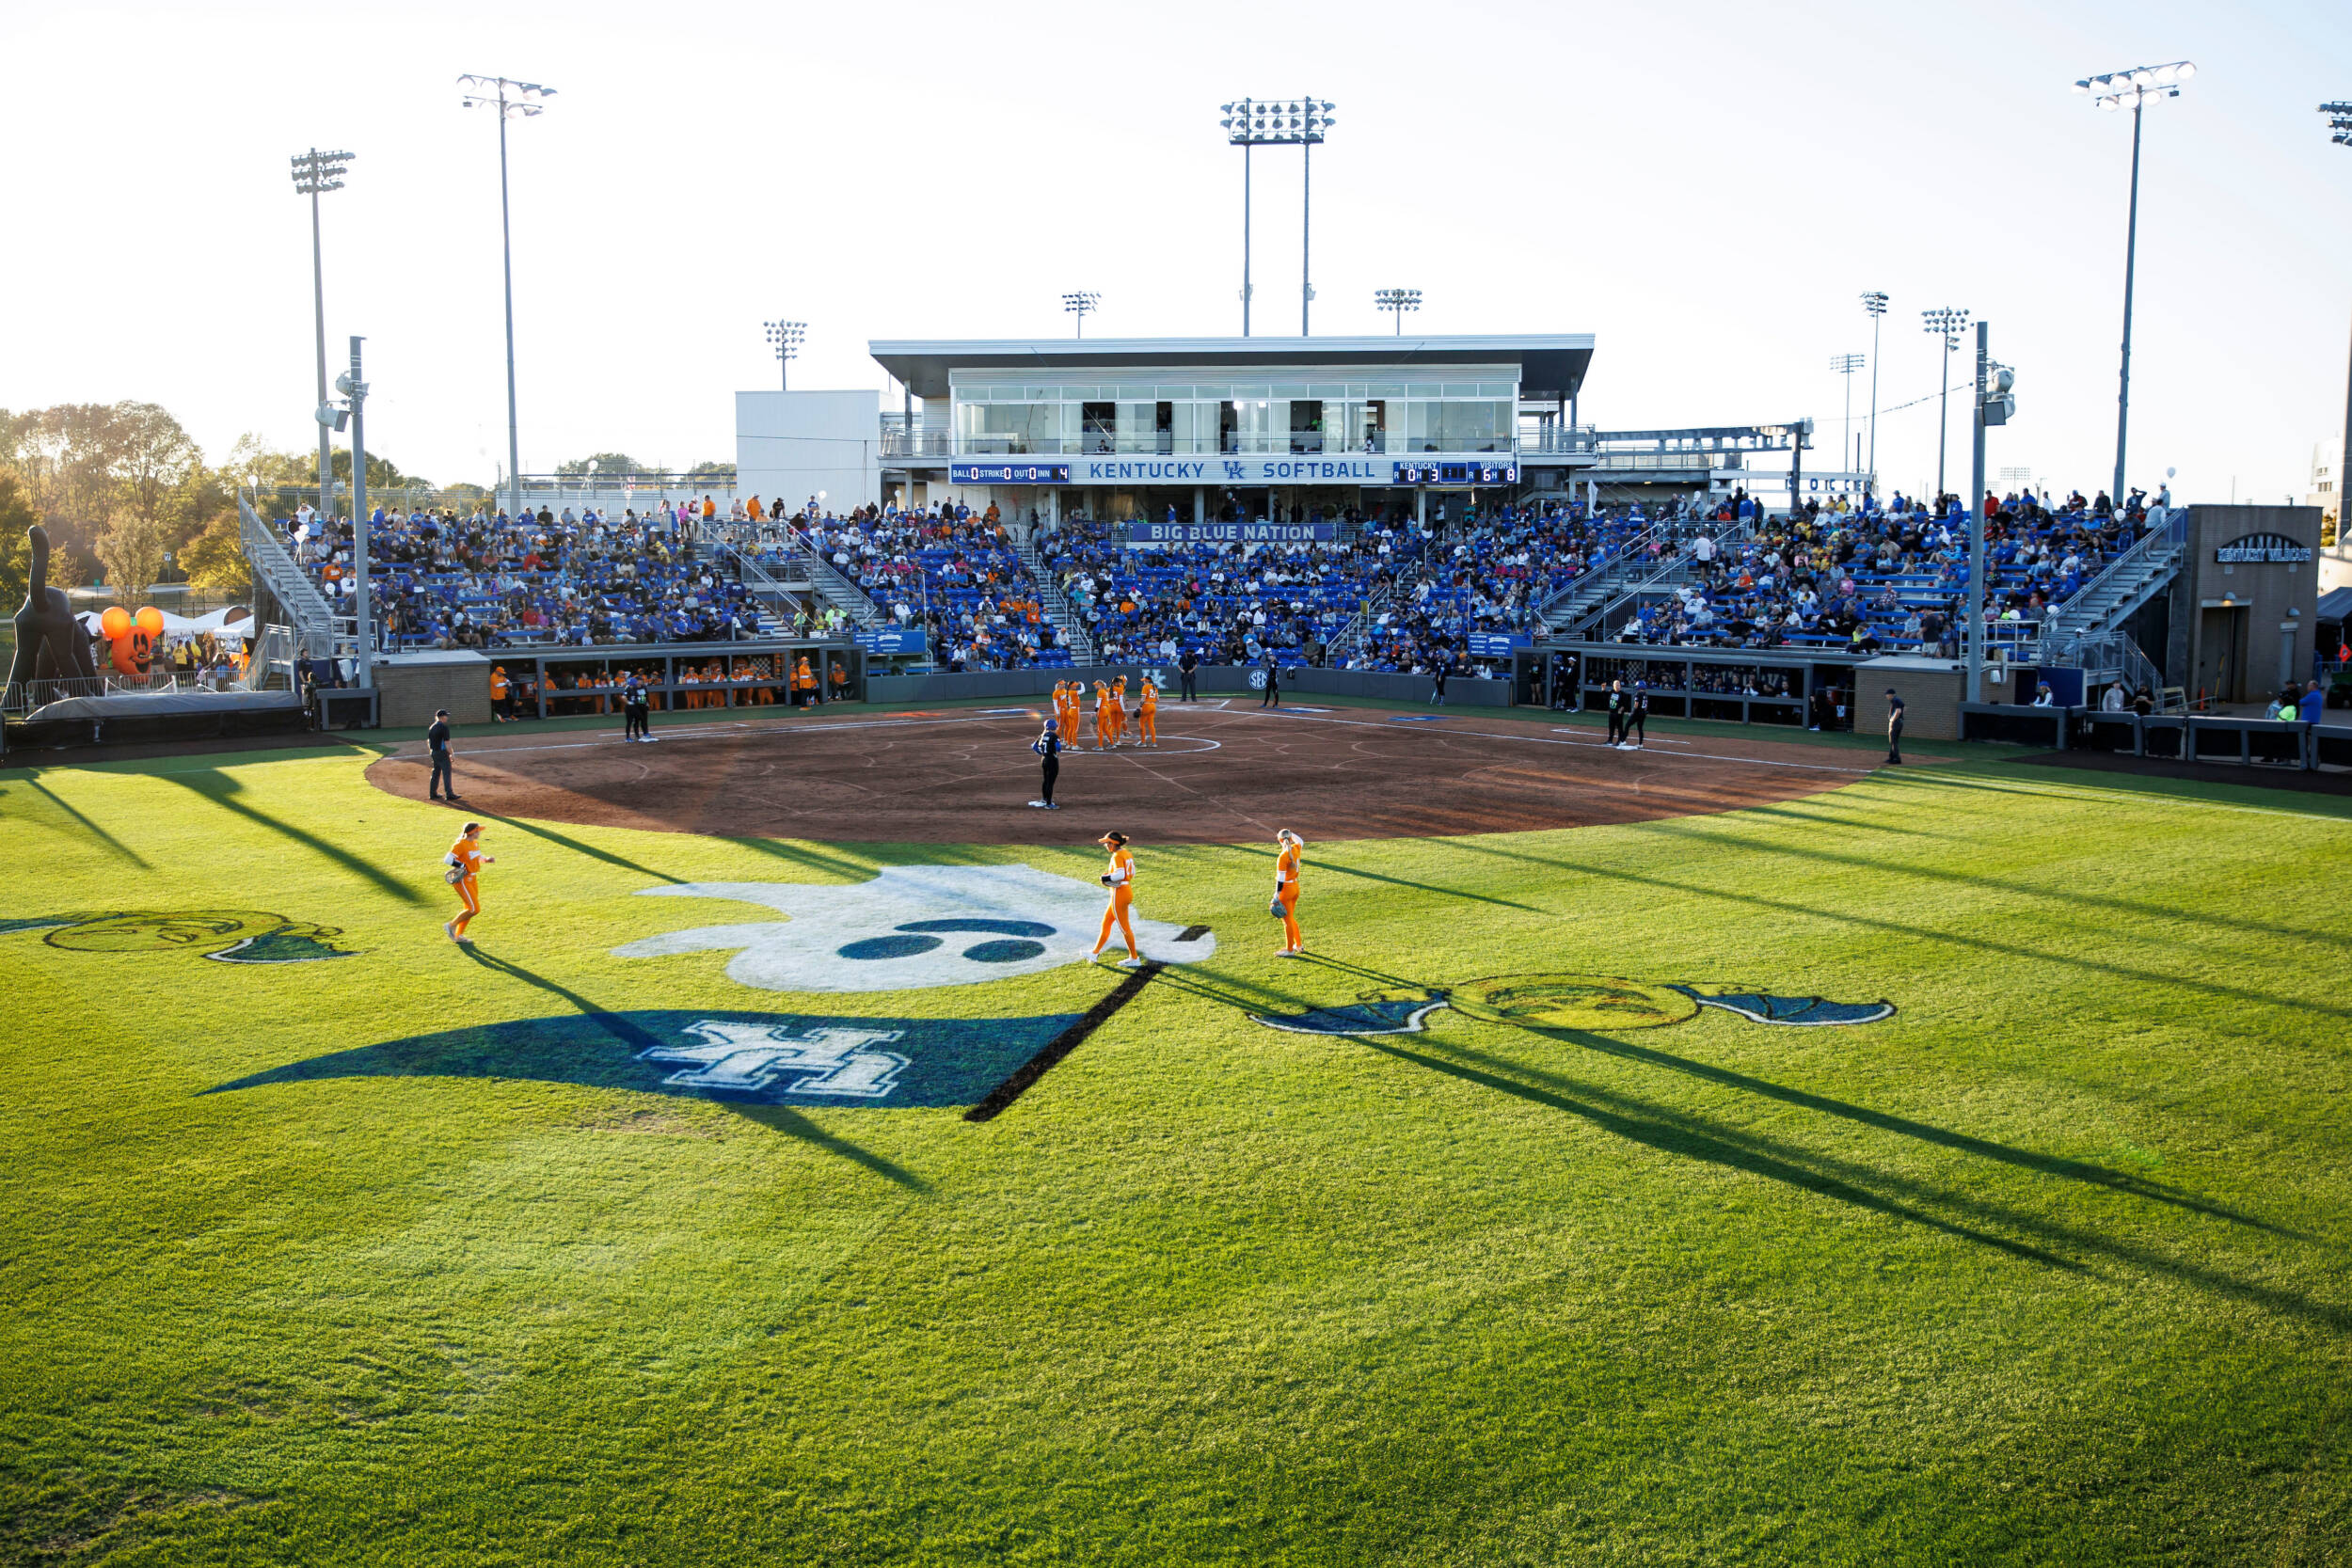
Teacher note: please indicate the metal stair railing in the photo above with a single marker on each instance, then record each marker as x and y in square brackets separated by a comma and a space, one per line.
[1059, 609]
[831, 585]
[317, 631]
[1568, 604]
[2127, 581]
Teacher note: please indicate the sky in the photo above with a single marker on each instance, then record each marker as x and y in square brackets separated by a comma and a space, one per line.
[1707, 188]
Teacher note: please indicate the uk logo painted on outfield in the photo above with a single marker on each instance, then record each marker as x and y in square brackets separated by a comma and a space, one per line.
[911, 927]
[735, 1057]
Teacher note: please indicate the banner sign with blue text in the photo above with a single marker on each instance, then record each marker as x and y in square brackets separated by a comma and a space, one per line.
[1229, 533]
[1225, 470]
[891, 641]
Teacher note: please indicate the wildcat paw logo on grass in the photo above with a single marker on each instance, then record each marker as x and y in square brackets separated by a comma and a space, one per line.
[910, 928]
[1596, 1003]
[226, 936]
[746, 1058]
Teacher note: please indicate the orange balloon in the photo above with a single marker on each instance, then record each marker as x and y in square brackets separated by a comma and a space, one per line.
[151, 621]
[115, 622]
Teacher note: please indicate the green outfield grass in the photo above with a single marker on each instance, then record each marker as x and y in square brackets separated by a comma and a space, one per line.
[2052, 1266]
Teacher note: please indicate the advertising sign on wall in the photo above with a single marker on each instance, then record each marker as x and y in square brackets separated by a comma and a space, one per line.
[1229, 533]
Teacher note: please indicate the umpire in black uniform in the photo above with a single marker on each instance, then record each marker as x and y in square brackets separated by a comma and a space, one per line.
[436, 743]
[1187, 666]
[1048, 747]
[1894, 726]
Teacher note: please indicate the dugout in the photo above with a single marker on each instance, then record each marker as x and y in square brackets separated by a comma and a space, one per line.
[1795, 688]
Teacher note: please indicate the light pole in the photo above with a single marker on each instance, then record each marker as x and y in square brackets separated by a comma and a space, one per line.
[1397, 301]
[1947, 324]
[2339, 125]
[355, 391]
[490, 93]
[784, 337]
[1844, 365]
[1078, 302]
[1875, 303]
[315, 172]
[1298, 121]
[2132, 89]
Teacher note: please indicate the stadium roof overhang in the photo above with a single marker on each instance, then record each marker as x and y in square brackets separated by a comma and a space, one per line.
[1550, 366]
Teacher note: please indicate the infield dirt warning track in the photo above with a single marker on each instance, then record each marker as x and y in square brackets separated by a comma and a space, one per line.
[1220, 773]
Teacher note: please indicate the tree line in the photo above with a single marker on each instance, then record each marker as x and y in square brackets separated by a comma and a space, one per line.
[129, 498]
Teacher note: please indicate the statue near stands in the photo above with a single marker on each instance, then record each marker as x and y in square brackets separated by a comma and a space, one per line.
[50, 643]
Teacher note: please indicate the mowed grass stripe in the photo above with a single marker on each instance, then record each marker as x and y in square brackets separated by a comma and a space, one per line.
[2050, 1266]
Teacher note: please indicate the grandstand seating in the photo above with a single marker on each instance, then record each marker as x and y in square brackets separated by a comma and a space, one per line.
[1385, 595]
[1892, 579]
[954, 574]
[489, 581]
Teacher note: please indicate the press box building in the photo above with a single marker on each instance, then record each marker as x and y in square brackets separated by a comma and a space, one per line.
[1203, 428]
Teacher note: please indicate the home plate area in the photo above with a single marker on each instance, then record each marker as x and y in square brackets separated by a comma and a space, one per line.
[1218, 774]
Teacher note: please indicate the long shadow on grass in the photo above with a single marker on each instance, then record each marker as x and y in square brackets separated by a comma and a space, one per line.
[220, 791]
[92, 827]
[536, 830]
[1859, 824]
[1676, 1136]
[2043, 1165]
[781, 1118]
[1900, 868]
[2080, 789]
[801, 855]
[1840, 1178]
[1903, 928]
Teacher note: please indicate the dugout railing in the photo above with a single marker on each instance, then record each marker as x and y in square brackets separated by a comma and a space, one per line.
[1787, 687]
[554, 682]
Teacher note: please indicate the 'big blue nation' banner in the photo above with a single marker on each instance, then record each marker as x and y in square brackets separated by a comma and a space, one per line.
[1230, 533]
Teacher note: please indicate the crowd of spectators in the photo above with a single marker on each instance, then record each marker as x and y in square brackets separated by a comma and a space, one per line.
[951, 571]
[1869, 576]
[440, 579]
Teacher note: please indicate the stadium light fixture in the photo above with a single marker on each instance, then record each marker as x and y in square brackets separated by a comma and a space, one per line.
[2339, 133]
[514, 101]
[1396, 302]
[1844, 365]
[315, 172]
[2133, 89]
[1078, 302]
[1874, 302]
[1946, 322]
[785, 337]
[1301, 122]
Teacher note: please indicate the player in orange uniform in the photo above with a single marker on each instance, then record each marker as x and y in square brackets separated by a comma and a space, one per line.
[465, 859]
[1102, 715]
[1066, 709]
[1147, 714]
[1118, 711]
[1288, 846]
[1119, 877]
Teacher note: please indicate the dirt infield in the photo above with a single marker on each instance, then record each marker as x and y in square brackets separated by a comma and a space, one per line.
[1221, 774]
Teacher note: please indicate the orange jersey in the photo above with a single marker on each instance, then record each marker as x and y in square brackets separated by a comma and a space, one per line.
[467, 854]
[1286, 867]
[1121, 871]
[1151, 697]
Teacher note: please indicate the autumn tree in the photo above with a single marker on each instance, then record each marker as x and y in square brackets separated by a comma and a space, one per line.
[132, 550]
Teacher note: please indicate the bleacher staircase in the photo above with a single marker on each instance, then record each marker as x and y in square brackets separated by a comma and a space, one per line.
[1059, 609]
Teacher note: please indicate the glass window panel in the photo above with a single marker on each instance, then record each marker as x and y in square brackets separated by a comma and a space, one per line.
[1009, 428]
[1138, 427]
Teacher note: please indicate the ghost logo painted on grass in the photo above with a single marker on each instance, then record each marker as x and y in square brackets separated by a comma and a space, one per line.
[226, 936]
[1601, 1004]
[911, 927]
[738, 1057]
